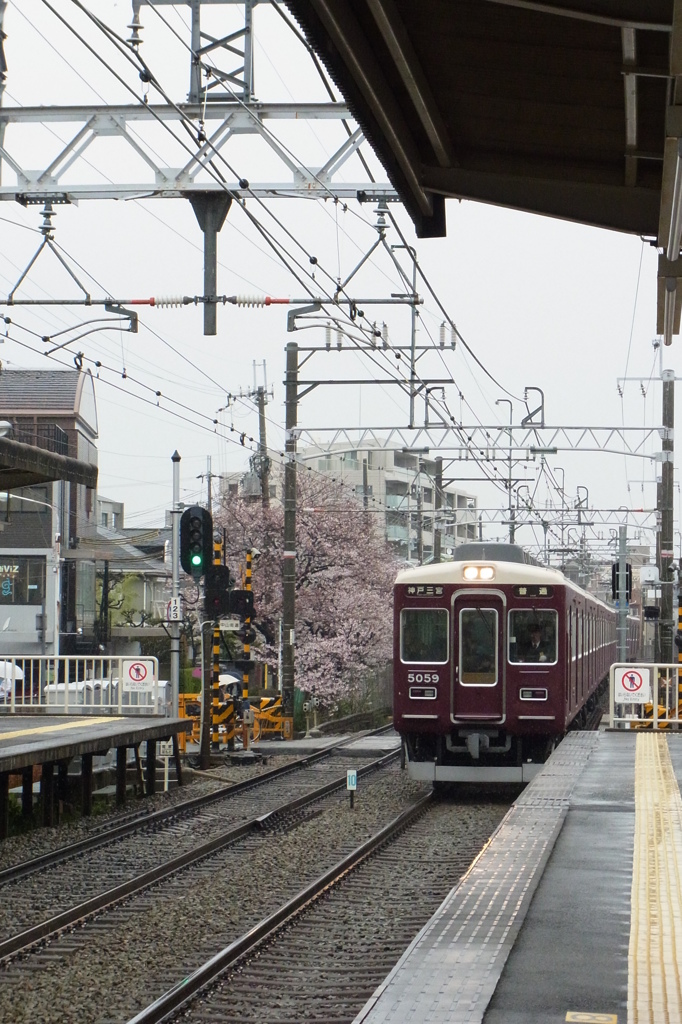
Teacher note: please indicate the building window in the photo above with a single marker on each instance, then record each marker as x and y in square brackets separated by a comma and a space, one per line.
[105, 519]
[22, 580]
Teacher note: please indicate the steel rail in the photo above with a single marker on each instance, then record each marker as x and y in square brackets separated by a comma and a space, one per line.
[171, 1001]
[105, 900]
[29, 867]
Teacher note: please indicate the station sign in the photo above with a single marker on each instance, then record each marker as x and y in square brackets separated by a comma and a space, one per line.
[138, 675]
[632, 685]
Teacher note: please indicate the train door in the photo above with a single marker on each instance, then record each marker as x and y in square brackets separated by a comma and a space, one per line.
[479, 663]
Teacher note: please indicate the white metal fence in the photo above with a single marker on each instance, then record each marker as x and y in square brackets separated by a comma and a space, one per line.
[70, 684]
[648, 694]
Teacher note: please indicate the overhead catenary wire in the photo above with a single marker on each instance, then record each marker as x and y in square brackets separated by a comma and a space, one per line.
[276, 246]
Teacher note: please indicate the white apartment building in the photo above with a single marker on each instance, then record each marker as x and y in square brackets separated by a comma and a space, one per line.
[400, 490]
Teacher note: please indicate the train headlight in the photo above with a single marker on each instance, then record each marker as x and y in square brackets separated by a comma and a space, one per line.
[478, 572]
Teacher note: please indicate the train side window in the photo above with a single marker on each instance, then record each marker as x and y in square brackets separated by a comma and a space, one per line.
[424, 635]
[532, 636]
[478, 647]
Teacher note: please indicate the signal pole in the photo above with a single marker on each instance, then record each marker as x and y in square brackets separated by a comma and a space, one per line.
[215, 689]
[175, 591]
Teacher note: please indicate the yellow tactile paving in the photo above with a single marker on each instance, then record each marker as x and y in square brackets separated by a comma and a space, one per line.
[655, 954]
[38, 730]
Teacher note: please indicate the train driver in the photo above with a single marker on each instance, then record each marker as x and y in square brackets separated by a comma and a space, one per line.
[536, 649]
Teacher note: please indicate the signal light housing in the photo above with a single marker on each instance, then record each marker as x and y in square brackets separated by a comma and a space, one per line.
[196, 540]
[219, 579]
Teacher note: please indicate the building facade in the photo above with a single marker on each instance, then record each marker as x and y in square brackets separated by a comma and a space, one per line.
[47, 595]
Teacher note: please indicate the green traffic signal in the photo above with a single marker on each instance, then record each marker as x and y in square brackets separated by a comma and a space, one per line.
[196, 540]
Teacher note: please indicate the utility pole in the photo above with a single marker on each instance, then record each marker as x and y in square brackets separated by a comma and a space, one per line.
[264, 461]
[365, 485]
[175, 587]
[437, 525]
[622, 628]
[289, 555]
[667, 623]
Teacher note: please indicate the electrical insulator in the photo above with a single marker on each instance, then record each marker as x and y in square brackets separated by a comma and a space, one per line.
[169, 301]
[453, 336]
[249, 300]
[441, 337]
[384, 334]
[328, 336]
[339, 339]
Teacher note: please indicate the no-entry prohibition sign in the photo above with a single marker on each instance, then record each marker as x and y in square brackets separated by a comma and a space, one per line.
[633, 685]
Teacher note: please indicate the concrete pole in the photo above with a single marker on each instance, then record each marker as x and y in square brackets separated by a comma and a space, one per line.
[263, 446]
[175, 585]
[667, 621]
[365, 485]
[289, 558]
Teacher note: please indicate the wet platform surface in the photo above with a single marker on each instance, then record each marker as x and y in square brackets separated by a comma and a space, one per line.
[30, 739]
[573, 912]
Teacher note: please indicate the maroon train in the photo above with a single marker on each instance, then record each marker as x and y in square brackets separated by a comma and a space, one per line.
[494, 659]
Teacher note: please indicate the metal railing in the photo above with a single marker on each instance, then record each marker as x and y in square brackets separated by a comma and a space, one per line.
[645, 695]
[71, 685]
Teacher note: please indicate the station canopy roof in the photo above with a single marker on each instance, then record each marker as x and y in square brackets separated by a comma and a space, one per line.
[560, 107]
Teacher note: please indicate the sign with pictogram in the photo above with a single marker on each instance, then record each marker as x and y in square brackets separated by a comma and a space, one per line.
[632, 685]
[138, 675]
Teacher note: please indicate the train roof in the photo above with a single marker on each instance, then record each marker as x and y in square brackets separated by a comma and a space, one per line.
[505, 572]
[482, 550]
[510, 573]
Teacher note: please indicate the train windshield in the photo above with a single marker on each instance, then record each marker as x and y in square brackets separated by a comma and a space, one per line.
[424, 635]
[478, 646]
[532, 636]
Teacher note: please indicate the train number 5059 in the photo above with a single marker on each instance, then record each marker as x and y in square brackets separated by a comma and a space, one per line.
[422, 677]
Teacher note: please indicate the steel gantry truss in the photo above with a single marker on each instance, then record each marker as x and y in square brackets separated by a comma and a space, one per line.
[487, 443]
[221, 106]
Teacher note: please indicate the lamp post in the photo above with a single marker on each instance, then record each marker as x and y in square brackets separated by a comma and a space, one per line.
[512, 529]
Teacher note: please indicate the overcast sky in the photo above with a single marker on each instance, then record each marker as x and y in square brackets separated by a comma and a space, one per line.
[541, 302]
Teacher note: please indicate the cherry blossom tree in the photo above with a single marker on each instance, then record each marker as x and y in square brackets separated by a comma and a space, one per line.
[344, 582]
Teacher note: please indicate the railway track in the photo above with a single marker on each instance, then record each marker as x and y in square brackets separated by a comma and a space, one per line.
[145, 819]
[322, 954]
[115, 963]
[54, 893]
[105, 968]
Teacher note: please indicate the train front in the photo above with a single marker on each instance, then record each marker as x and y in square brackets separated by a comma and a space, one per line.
[478, 686]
